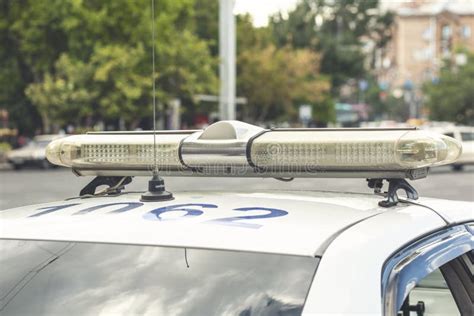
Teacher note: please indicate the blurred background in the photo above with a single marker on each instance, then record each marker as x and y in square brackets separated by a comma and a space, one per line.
[71, 66]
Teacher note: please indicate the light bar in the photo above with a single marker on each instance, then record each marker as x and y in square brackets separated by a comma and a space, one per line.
[231, 148]
[352, 150]
[133, 151]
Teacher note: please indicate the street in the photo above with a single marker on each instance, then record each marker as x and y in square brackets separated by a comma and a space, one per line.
[31, 186]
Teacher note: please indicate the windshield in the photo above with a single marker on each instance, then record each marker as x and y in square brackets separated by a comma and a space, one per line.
[42, 143]
[35, 143]
[467, 137]
[63, 278]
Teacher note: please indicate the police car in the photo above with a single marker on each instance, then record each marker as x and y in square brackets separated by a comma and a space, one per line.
[114, 252]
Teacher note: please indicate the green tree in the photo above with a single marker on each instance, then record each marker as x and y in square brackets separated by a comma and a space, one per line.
[275, 81]
[32, 39]
[250, 37]
[336, 29]
[63, 98]
[109, 44]
[206, 20]
[451, 97]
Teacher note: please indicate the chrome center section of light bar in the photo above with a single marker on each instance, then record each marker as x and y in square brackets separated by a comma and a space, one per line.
[221, 144]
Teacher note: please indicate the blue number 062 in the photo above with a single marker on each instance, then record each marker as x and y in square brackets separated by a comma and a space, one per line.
[236, 221]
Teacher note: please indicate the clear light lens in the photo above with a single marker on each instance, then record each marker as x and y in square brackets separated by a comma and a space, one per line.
[352, 150]
[134, 151]
[274, 152]
[423, 149]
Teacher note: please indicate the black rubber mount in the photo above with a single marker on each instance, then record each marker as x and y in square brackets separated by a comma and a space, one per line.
[116, 185]
[156, 191]
[393, 186]
[406, 308]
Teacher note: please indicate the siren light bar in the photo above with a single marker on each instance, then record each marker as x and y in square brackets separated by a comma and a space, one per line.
[232, 148]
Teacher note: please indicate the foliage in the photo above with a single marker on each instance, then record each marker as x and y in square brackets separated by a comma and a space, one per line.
[5, 147]
[83, 60]
[206, 20]
[275, 81]
[451, 97]
[62, 97]
[251, 37]
[336, 29]
[31, 41]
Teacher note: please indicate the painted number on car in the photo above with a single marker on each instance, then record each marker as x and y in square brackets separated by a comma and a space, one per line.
[243, 215]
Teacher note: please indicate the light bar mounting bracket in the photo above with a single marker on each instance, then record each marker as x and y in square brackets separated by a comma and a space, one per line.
[393, 186]
[116, 185]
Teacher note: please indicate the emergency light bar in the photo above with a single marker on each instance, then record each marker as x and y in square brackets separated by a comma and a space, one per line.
[232, 148]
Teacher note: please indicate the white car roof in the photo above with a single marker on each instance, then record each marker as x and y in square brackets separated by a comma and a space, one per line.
[454, 212]
[352, 265]
[299, 223]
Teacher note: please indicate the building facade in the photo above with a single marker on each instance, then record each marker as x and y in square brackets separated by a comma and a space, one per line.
[425, 34]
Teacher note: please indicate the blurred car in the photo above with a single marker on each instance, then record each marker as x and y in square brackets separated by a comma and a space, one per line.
[464, 134]
[34, 153]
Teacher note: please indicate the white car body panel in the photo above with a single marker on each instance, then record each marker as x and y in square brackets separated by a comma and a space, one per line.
[353, 235]
[467, 156]
[313, 219]
[452, 211]
[349, 276]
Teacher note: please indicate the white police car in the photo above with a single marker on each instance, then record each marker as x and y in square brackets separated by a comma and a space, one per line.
[242, 253]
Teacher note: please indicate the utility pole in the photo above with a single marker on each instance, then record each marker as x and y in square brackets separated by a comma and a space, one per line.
[227, 60]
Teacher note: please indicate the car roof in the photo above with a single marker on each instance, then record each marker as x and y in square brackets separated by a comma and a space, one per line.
[453, 212]
[298, 223]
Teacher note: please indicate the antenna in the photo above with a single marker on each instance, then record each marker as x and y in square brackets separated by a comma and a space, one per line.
[156, 186]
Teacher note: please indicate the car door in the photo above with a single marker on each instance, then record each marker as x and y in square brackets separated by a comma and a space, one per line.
[433, 276]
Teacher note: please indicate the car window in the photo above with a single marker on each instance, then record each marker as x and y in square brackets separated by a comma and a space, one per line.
[42, 143]
[413, 285]
[432, 296]
[59, 278]
[467, 137]
[448, 290]
[449, 135]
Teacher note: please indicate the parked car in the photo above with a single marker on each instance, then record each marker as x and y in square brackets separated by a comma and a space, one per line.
[33, 154]
[463, 134]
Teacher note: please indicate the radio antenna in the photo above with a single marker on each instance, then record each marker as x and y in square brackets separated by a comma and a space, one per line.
[156, 186]
[155, 163]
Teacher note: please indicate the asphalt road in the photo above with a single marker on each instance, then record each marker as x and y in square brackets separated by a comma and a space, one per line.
[30, 186]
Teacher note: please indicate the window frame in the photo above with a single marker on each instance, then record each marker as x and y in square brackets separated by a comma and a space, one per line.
[457, 274]
[403, 270]
[471, 137]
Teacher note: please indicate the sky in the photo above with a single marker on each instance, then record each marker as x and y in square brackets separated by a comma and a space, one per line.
[262, 9]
